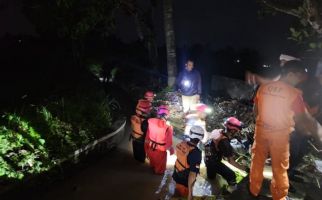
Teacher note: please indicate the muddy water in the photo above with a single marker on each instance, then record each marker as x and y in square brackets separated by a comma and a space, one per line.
[119, 176]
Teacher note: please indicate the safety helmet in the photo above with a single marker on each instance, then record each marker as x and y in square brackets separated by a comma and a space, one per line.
[149, 95]
[143, 107]
[233, 123]
[196, 132]
[201, 107]
[163, 110]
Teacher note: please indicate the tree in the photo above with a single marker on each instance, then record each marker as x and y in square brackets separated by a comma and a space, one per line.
[74, 20]
[308, 31]
[145, 28]
[170, 41]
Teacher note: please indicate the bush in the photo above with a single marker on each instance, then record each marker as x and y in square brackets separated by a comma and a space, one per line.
[22, 149]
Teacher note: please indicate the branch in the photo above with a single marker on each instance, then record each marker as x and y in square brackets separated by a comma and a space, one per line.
[278, 8]
[313, 15]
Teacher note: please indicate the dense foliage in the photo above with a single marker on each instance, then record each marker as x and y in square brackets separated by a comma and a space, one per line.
[40, 136]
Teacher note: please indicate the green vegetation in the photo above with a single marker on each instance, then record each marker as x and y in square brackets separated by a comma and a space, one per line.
[22, 149]
[36, 139]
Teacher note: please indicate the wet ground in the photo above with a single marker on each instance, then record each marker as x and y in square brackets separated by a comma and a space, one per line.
[117, 175]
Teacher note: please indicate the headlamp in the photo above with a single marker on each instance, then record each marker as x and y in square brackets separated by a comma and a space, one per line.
[208, 110]
[186, 83]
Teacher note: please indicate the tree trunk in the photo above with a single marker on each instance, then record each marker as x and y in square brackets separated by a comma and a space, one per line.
[170, 41]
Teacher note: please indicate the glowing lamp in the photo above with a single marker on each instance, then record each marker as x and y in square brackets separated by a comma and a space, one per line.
[186, 83]
[208, 110]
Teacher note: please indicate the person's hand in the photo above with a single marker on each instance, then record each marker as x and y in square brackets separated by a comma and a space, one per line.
[171, 150]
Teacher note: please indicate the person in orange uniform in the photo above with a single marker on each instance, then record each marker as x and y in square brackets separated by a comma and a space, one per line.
[278, 105]
[158, 140]
[143, 112]
[187, 165]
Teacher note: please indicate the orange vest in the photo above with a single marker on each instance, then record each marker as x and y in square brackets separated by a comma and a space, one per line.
[182, 151]
[136, 122]
[274, 106]
[157, 134]
[143, 107]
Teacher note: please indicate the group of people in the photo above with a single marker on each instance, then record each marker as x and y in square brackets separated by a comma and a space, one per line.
[283, 120]
[278, 106]
[152, 137]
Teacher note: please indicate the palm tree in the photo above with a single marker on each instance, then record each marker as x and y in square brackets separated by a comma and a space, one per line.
[170, 41]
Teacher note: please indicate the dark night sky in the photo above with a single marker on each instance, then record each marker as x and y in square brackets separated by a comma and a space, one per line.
[216, 23]
[221, 23]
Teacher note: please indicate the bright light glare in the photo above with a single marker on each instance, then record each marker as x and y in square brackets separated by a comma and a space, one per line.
[186, 83]
[208, 110]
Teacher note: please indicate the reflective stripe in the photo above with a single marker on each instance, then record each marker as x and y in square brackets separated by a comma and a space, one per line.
[154, 144]
[137, 133]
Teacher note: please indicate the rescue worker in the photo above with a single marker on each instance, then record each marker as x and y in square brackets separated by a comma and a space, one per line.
[158, 140]
[145, 104]
[218, 147]
[149, 95]
[187, 165]
[197, 119]
[278, 105]
[143, 112]
[188, 83]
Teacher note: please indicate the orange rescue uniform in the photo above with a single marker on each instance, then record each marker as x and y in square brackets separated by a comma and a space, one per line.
[143, 110]
[158, 140]
[277, 103]
[182, 167]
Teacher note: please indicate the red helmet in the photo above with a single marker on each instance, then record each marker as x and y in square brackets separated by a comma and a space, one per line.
[201, 107]
[163, 109]
[233, 123]
[143, 107]
[149, 95]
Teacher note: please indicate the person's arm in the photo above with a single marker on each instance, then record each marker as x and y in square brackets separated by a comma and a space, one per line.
[194, 160]
[307, 124]
[304, 120]
[232, 161]
[255, 101]
[191, 181]
[169, 136]
[228, 153]
[144, 126]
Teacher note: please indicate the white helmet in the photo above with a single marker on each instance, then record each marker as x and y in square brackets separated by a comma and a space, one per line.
[196, 132]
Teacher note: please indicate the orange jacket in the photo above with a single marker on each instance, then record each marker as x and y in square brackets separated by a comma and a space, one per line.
[274, 102]
[159, 134]
[136, 122]
[182, 151]
[143, 107]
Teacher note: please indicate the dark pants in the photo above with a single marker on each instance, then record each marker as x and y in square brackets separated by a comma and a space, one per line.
[217, 167]
[138, 150]
[298, 148]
